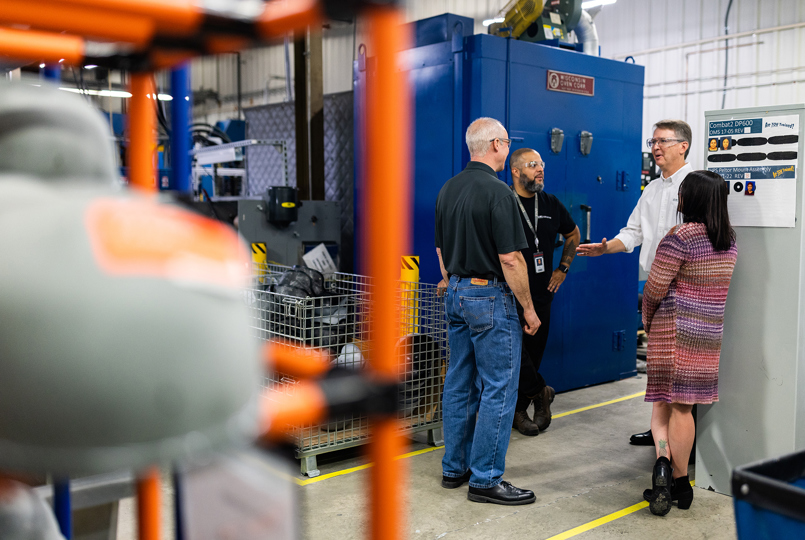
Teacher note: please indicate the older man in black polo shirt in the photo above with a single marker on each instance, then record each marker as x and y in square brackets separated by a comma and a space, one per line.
[478, 241]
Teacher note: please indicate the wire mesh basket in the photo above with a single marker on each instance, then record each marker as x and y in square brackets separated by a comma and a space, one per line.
[332, 314]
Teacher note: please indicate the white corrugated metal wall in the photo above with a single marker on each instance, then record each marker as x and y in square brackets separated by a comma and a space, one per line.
[683, 79]
[263, 70]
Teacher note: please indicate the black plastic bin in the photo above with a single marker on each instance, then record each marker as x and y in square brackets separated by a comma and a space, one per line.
[770, 498]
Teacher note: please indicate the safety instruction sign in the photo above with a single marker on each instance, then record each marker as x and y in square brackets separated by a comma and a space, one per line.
[758, 159]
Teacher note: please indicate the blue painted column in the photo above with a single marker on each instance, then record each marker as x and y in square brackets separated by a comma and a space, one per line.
[52, 72]
[62, 506]
[180, 128]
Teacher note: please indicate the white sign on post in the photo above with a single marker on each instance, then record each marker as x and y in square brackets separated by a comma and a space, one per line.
[758, 158]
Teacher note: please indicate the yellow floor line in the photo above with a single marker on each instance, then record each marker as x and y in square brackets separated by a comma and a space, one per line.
[610, 402]
[602, 520]
[360, 467]
[426, 450]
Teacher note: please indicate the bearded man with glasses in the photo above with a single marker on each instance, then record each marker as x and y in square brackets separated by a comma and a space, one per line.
[543, 216]
[656, 211]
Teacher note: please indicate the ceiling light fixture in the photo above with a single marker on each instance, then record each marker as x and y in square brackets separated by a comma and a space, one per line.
[595, 3]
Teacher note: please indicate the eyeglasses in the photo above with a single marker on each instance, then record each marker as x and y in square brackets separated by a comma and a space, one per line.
[507, 141]
[664, 143]
[531, 164]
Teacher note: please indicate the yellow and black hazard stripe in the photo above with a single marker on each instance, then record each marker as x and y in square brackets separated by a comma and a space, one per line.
[259, 252]
[409, 270]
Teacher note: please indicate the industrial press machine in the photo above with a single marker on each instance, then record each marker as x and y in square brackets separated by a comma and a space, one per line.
[583, 114]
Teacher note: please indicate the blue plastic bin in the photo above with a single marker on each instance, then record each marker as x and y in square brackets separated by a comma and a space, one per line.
[770, 498]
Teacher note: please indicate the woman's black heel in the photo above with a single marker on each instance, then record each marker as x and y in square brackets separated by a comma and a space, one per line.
[682, 492]
[660, 503]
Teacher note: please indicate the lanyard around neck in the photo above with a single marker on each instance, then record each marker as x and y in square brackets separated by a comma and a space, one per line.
[532, 226]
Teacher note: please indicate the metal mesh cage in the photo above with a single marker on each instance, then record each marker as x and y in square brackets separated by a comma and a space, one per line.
[332, 314]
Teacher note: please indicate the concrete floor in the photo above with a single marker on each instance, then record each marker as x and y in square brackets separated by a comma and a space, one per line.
[581, 469]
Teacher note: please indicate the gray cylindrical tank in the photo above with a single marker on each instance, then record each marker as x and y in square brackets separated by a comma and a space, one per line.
[124, 339]
[55, 135]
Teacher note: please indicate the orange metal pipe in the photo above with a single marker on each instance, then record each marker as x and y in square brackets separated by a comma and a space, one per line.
[149, 505]
[226, 44]
[296, 362]
[291, 405]
[279, 18]
[40, 46]
[142, 132]
[162, 59]
[387, 231]
[87, 22]
[174, 17]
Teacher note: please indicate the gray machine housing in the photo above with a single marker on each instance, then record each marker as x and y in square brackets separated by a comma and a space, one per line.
[318, 222]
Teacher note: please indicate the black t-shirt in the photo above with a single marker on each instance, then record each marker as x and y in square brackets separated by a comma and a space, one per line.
[477, 220]
[553, 218]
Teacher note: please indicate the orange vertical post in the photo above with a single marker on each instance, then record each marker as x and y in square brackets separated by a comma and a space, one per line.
[142, 132]
[148, 505]
[386, 209]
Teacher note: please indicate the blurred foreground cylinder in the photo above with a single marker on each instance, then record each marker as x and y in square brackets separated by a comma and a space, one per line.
[55, 135]
[125, 341]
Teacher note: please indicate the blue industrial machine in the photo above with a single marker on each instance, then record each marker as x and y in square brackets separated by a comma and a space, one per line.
[583, 114]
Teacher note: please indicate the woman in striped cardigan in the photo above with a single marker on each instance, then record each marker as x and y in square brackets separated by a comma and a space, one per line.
[683, 314]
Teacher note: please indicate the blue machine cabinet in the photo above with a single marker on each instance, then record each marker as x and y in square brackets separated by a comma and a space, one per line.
[457, 77]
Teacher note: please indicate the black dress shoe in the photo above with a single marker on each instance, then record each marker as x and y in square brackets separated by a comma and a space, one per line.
[503, 493]
[660, 497]
[681, 493]
[642, 439]
[451, 482]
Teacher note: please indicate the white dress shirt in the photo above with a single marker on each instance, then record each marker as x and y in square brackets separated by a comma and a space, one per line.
[654, 215]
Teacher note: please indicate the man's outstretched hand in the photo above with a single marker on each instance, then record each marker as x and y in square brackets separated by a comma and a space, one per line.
[592, 250]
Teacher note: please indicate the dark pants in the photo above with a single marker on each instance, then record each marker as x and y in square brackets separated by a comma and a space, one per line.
[531, 382]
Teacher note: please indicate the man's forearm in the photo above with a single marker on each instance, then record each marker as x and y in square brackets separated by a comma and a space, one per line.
[442, 269]
[615, 246]
[516, 274]
[569, 251]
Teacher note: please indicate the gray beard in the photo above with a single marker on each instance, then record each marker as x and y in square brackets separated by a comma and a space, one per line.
[532, 186]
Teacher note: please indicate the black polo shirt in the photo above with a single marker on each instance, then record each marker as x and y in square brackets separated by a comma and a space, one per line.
[553, 218]
[477, 220]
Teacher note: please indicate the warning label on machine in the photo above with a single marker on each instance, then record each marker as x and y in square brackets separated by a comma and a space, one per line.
[559, 81]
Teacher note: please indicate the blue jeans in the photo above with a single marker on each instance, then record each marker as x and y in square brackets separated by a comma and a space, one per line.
[482, 378]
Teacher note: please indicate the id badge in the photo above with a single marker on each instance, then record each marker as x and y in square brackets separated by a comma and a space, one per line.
[539, 262]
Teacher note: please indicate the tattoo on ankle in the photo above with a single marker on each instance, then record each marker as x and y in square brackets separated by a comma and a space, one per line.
[663, 450]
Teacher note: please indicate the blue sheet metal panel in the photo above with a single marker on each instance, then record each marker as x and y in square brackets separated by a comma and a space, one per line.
[601, 303]
[439, 28]
[572, 62]
[432, 76]
[432, 88]
[598, 298]
[592, 327]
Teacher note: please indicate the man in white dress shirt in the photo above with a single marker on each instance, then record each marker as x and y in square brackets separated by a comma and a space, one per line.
[656, 211]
